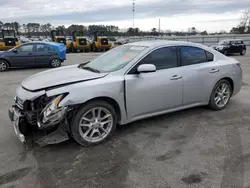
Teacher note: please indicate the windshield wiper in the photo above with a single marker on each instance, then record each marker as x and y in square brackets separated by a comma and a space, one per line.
[91, 69]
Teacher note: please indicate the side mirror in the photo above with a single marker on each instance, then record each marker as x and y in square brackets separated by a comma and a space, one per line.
[146, 68]
[14, 50]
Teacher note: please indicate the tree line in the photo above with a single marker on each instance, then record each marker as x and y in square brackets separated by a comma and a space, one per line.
[36, 29]
[244, 25]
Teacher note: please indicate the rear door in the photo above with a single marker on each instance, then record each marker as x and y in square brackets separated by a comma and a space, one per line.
[42, 54]
[23, 57]
[199, 74]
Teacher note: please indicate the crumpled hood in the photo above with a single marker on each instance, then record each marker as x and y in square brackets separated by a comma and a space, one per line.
[59, 76]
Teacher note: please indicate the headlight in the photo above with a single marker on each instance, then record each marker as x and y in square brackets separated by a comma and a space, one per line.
[52, 114]
[220, 48]
[52, 107]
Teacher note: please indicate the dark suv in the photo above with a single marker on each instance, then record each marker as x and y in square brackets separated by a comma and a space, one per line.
[231, 46]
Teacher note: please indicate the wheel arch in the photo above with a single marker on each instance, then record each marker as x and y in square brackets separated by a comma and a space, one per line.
[109, 100]
[231, 82]
[6, 61]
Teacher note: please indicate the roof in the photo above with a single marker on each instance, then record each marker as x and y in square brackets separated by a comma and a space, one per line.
[44, 42]
[31, 42]
[231, 39]
[155, 43]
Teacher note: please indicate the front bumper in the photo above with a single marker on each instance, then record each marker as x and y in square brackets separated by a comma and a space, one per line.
[18, 123]
[5, 48]
[24, 131]
[221, 50]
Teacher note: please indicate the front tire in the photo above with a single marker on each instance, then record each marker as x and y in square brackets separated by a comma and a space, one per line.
[94, 123]
[4, 65]
[243, 52]
[221, 95]
[225, 52]
[55, 63]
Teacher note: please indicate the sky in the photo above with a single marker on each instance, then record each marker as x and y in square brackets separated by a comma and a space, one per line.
[210, 15]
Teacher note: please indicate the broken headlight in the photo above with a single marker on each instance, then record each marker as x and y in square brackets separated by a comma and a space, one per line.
[52, 114]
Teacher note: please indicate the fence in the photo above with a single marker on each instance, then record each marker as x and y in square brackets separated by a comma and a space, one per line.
[206, 40]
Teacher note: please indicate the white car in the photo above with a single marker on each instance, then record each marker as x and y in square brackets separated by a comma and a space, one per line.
[131, 82]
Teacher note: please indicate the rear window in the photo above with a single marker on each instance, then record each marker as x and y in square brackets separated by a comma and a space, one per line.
[192, 55]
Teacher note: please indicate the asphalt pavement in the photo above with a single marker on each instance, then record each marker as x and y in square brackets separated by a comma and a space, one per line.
[187, 149]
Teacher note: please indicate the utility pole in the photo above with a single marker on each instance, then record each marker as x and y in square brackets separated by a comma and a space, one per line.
[133, 9]
[159, 25]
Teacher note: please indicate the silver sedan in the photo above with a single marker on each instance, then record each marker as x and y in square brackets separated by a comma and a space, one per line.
[131, 82]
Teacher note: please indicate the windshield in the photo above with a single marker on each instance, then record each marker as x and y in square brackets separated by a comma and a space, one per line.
[114, 59]
[223, 42]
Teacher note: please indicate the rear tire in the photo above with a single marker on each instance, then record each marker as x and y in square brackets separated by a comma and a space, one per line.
[55, 63]
[243, 52]
[221, 95]
[4, 66]
[88, 129]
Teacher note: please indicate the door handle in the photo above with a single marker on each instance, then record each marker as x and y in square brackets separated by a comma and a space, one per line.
[214, 70]
[176, 77]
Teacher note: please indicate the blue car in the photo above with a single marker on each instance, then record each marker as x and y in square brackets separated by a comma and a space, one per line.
[33, 54]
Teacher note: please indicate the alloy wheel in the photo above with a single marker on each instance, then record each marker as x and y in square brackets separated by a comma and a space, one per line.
[3, 66]
[243, 52]
[55, 63]
[222, 95]
[96, 124]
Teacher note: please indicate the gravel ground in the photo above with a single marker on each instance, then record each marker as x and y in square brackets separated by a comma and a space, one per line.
[192, 148]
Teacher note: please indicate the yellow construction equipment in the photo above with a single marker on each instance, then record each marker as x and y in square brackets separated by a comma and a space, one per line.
[79, 42]
[100, 42]
[58, 36]
[8, 40]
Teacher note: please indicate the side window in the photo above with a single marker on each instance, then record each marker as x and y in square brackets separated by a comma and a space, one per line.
[41, 48]
[192, 55]
[51, 48]
[26, 48]
[162, 58]
[210, 56]
[233, 42]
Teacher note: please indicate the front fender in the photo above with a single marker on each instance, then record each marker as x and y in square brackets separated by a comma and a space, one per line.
[82, 92]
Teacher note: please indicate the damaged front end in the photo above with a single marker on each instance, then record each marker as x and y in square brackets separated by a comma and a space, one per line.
[41, 120]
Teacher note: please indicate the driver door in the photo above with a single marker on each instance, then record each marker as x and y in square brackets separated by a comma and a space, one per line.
[154, 92]
[233, 47]
[23, 57]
